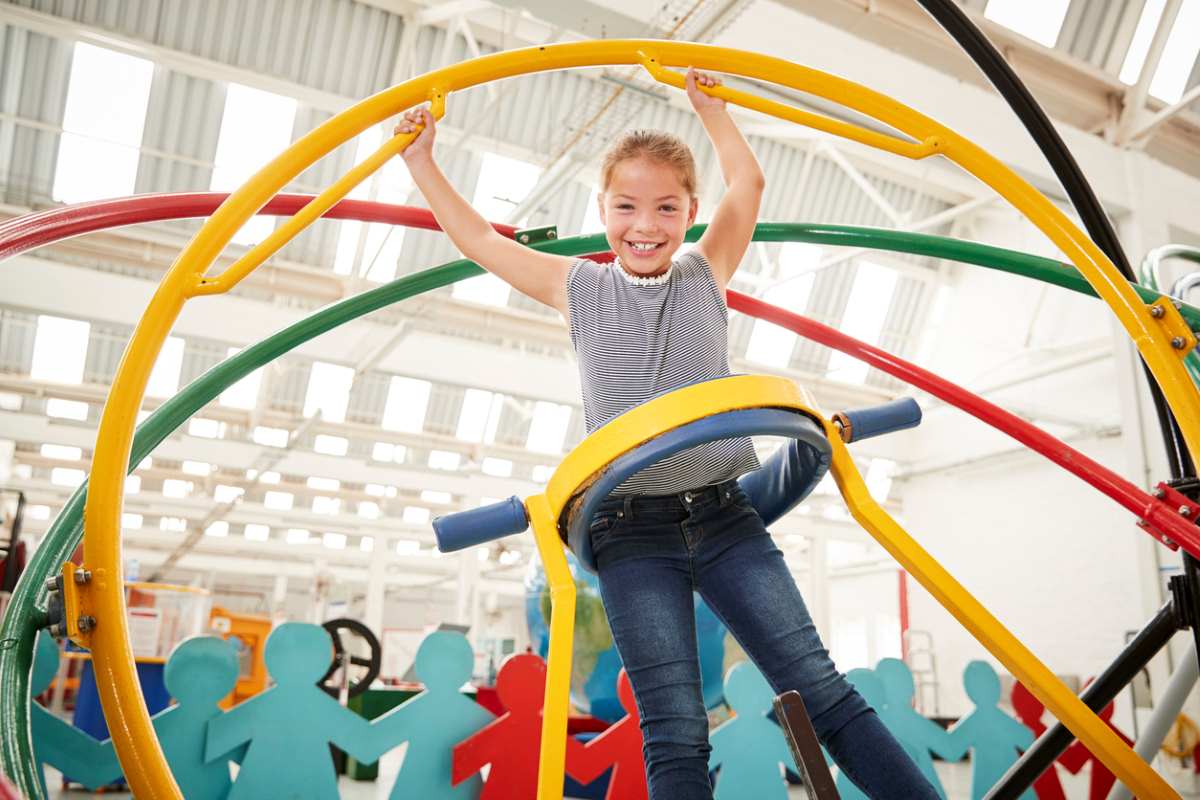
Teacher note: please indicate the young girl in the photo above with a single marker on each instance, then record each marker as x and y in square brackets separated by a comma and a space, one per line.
[643, 326]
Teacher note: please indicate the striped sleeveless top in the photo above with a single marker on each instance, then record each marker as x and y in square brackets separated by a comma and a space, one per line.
[637, 338]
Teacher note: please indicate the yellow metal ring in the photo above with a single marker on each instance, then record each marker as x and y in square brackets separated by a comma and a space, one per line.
[137, 747]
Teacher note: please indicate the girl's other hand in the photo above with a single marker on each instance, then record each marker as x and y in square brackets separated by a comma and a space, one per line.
[701, 101]
[411, 120]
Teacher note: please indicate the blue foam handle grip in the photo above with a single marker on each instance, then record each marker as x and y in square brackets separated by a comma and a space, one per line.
[464, 529]
[878, 420]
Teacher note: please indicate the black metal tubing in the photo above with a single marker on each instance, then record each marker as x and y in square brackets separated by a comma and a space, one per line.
[955, 22]
[1051, 744]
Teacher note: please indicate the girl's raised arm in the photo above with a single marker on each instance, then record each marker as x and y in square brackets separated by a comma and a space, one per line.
[732, 227]
[539, 275]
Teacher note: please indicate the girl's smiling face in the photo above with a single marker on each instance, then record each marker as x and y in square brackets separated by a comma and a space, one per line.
[646, 210]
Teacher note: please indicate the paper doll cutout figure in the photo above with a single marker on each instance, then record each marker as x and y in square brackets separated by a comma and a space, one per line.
[512, 742]
[289, 726]
[917, 735]
[57, 742]
[619, 747]
[1077, 756]
[749, 748]
[994, 738]
[1029, 710]
[434, 721]
[200, 672]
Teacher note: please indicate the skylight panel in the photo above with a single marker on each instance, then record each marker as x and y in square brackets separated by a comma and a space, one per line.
[326, 505]
[866, 310]
[278, 501]
[407, 547]
[366, 544]
[406, 403]
[548, 427]
[328, 391]
[173, 524]
[267, 477]
[173, 487]
[255, 127]
[133, 484]
[542, 473]
[486, 290]
[479, 416]
[432, 496]
[1179, 54]
[334, 541]
[1040, 21]
[224, 493]
[444, 459]
[62, 452]
[1139, 46]
[368, 509]
[386, 451]
[218, 529]
[10, 401]
[498, 467]
[66, 409]
[416, 515]
[59, 350]
[256, 533]
[206, 428]
[879, 477]
[102, 124]
[297, 536]
[201, 468]
[382, 243]
[62, 476]
[772, 344]
[244, 393]
[164, 377]
[324, 484]
[38, 512]
[270, 437]
[331, 445]
[591, 215]
[131, 521]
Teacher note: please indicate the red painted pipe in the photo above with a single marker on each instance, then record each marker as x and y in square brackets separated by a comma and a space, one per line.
[44, 227]
[62, 222]
[1159, 516]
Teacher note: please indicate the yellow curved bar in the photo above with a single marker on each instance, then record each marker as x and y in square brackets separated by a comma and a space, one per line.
[133, 736]
[1000, 642]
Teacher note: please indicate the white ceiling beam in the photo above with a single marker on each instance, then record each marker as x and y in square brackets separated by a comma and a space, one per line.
[1159, 117]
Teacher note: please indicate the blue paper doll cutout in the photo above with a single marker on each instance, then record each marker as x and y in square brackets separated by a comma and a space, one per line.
[868, 685]
[749, 748]
[289, 726]
[919, 736]
[57, 742]
[200, 672]
[994, 738]
[434, 721]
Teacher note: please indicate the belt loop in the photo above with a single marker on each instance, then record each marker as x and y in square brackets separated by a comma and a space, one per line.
[629, 508]
[725, 492]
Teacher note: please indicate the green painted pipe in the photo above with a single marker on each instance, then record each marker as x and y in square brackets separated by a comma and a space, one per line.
[25, 615]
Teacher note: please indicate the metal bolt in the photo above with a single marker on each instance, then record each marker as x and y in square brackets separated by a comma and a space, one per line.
[1157, 311]
[85, 623]
[1184, 511]
[1178, 342]
[1169, 542]
[524, 238]
[1160, 493]
[52, 584]
[551, 234]
[82, 575]
[58, 630]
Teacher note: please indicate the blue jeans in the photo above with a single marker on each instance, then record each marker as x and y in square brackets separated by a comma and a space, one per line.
[651, 553]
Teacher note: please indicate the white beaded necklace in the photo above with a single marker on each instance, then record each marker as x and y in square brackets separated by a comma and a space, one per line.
[642, 280]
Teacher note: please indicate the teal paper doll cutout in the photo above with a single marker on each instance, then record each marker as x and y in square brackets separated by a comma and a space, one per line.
[993, 737]
[749, 748]
[868, 685]
[57, 742]
[918, 735]
[200, 672]
[434, 721]
[289, 726]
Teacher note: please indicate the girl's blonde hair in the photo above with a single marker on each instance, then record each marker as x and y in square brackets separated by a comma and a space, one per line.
[658, 146]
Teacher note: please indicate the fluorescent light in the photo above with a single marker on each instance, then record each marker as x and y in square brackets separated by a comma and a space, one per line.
[1040, 21]
[173, 524]
[37, 512]
[244, 393]
[271, 476]
[62, 452]
[206, 428]
[334, 541]
[146, 463]
[375, 489]
[772, 344]
[386, 451]
[548, 427]
[1179, 55]
[331, 445]
[478, 407]
[223, 493]
[324, 484]
[328, 391]
[416, 515]
[256, 533]
[407, 547]
[297, 536]
[406, 403]
[164, 377]
[542, 473]
[431, 496]
[10, 401]
[131, 521]
[255, 127]
[218, 529]
[61, 476]
[133, 484]
[510, 557]
[503, 183]
[443, 459]
[366, 544]
[201, 468]
[368, 509]
[66, 409]
[270, 437]
[59, 350]
[176, 488]
[278, 501]
[498, 467]
[326, 505]
[865, 315]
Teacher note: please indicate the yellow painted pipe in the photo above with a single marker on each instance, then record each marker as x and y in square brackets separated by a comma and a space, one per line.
[120, 695]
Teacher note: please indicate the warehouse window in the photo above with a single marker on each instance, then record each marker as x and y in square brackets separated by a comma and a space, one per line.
[60, 351]
[866, 310]
[1039, 21]
[772, 344]
[548, 428]
[328, 391]
[406, 403]
[374, 246]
